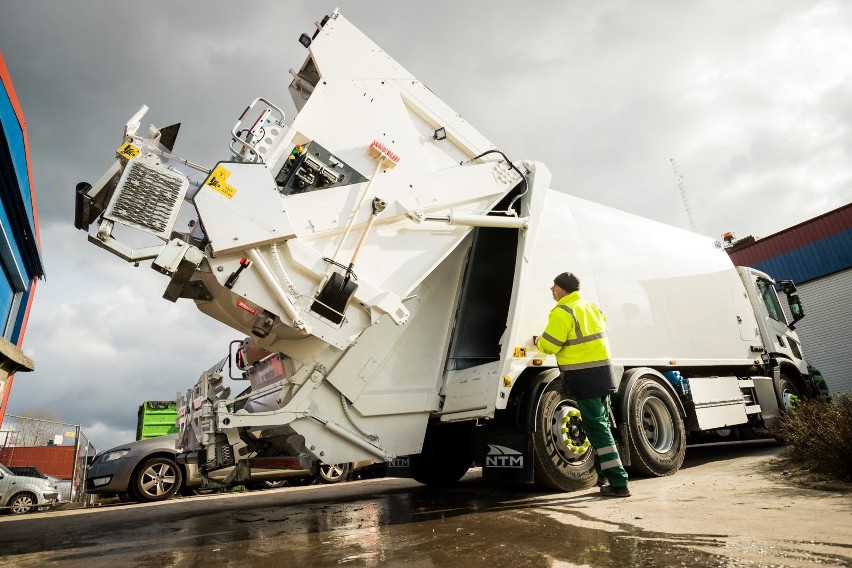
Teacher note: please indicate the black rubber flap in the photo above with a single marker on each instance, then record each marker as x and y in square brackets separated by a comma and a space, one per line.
[332, 300]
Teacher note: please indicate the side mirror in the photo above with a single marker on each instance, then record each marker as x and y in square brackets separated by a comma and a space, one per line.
[796, 308]
[788, 287]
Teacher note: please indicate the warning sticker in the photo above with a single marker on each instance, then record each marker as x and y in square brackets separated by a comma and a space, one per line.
[128, 150]
[218, 180]
[246, 307]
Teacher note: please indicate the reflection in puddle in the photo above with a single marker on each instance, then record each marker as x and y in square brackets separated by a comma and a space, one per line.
[470, 525]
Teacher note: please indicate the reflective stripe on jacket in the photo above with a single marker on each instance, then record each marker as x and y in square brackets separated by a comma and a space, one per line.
[576, 333]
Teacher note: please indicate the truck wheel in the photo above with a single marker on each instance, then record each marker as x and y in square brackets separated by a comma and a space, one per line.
[789, 394]
[563, 460]
[21, 503]
[657, 433]
[443, 459]
[156, 479]
[334, 473]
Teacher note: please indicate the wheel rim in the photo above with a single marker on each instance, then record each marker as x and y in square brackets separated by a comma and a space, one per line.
[158, 479]
[22, 504]
[789, 396]
[566, 432]
[332, 472]
[658, 425]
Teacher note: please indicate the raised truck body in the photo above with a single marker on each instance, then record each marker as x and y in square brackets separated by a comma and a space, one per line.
[397, 266]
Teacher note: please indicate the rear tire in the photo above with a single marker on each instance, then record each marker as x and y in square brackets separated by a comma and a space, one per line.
[656, 429]
[157, 479]
[556, 465]
[444, 459]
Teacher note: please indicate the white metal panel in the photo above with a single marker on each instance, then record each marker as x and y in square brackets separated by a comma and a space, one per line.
[668, 294]
[827, 328]
[251, 215]
[342, 50]
[718, 402]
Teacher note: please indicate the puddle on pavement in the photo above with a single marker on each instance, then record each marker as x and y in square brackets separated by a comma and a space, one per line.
[479, 526]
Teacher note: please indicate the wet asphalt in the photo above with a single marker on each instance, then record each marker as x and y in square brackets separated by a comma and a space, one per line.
[385, 522]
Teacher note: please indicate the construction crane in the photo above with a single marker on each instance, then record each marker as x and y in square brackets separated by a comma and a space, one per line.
[679, 182]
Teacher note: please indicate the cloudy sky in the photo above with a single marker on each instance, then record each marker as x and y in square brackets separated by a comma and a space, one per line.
[753, 99]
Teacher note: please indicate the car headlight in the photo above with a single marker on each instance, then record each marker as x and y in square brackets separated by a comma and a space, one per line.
[116, 455]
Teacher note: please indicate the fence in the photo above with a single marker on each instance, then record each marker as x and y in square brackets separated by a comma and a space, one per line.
[57, 449]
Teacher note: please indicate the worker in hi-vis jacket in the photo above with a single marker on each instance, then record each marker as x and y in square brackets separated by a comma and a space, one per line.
[576, 334]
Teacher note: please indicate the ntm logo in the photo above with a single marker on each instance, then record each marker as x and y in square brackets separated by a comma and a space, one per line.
[400, 462]
[501, 456]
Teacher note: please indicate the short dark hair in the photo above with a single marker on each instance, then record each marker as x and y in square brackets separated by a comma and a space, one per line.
[567, 282]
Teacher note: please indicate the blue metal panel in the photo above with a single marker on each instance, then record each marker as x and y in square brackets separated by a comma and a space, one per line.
[7, 293]
[15, 139]
[813, 260]
[21, 315]
[17, 249]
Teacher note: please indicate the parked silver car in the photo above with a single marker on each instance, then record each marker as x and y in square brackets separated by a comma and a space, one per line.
[21, 494]
[146, 470]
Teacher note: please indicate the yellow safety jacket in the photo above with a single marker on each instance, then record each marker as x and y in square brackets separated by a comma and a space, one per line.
[576, 333]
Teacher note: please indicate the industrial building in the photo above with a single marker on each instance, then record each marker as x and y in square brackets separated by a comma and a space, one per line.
[20, 250]
[817, 256]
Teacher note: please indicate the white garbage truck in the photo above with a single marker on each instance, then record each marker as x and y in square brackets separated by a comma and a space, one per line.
[396, 265]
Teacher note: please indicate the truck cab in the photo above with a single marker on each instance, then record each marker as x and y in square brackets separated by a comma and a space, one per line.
[777, 331]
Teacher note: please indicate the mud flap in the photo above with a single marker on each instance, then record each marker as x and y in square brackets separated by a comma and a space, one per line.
[399, 467]
[509, 458]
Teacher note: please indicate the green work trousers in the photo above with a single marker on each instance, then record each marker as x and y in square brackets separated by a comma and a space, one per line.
[593, 412]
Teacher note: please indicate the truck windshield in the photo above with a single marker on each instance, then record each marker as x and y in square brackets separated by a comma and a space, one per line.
[770, 300]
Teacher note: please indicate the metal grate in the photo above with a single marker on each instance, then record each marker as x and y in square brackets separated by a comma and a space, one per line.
[148, 197]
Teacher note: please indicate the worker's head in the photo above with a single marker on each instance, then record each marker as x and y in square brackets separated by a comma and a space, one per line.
[564, 284]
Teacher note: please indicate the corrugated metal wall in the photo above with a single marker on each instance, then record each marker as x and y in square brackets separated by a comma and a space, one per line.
[811, 261]
[813, 249]
[817, 255]
[57, 461]
[826, 329]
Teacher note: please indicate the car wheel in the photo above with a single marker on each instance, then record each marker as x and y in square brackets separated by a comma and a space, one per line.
[156, 479]
[22, 503]
[334, 473]
[272, 484]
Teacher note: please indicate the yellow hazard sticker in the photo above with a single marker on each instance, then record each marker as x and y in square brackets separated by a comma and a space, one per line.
[520, 352]
[129, 151]
[507, 381]
[218, 181]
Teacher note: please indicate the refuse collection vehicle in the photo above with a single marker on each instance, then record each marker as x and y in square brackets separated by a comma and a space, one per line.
[398, 265]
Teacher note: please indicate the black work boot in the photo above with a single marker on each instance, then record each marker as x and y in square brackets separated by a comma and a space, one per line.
[610, 491]
[602, 481]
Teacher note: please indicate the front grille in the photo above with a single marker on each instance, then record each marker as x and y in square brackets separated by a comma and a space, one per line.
[148, 197]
